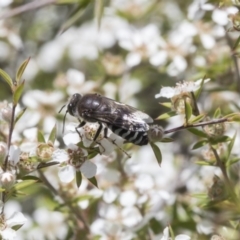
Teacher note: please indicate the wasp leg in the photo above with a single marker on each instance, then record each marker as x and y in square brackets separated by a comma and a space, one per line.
[98, 131]
[114, 142]
[96, 136]
[81, 124]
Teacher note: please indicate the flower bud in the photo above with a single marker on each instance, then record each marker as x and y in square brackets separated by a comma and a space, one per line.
[45, 151]
[217, 192]
[214, 130]
[6, 113]
[179, 102]
[155, 133]
[7, 180]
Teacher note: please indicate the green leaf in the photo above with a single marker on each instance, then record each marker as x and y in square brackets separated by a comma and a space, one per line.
[197, 119]
[167, 139]
[197, 132]
[233, 117]
[21, 70]
[93, 180]
[199, 91]
[204, 163]
[92, 154]
[171, 232]
[230, 146]
[157, 152]
[20, 115]
[30, 177]
[188, 111]
[78, 178]
[221, 139]
[236, 44]
[6, 78]
[75, 15]
[98, 11]
[16, 227]
[40, 137]
[166, 115]
[52, 136]
[166, 104]
[217, 113]
[200, 144]
[18, 93]
[232, 161]
[200, 195]
[24, 184]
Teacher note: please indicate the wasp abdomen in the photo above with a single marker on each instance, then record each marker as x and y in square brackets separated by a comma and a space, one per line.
[138, 138]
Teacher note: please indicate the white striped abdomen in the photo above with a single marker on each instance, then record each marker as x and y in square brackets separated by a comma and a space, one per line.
[138, 138]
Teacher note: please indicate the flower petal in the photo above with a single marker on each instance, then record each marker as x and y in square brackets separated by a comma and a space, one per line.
[8, 234]
[66, 174]
[89, 169]
[17, 218]
[166, 92]
[182, 237]
[165, 234]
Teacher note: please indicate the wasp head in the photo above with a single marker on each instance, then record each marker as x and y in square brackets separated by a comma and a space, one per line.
[73, 104]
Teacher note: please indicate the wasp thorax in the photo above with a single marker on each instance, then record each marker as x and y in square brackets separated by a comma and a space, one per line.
[72, 106]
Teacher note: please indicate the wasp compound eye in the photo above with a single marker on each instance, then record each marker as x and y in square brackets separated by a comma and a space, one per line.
[73, 104]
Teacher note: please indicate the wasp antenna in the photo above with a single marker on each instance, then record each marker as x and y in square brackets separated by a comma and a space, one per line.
[61, 108]
[64, 119]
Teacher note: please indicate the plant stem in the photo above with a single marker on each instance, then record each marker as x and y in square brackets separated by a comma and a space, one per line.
[229, 184]
[215, 121]
[9, 137]
[27, 7]
[73, 209]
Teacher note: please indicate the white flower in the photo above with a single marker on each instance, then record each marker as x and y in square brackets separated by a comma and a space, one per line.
[185, 87]
[106, 145]
[141, 43]
[6, 231]
[14, 154]
[178, 237]
[75, 159]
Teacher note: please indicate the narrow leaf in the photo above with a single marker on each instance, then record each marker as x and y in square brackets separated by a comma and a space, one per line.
[188, 111]
[40, 137]
[199, 91]
[98, 11]
[18, 93]
[93, 181]
[167, 139]
[24, 184]
[236, 43]
[217, 113]
[21, 70]
[166, 104]
[166, 115]
[204, 163]
[230, 146]
[199, 144]
[197, 119]
[197, 132]
[52, 136]
[6, 78]
[232, 161]
[75, 15]
[157, 152]
[20, 115]
[78, 178]
[234, 117]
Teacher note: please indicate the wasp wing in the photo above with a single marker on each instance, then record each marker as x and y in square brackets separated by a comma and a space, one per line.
[121, 115]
